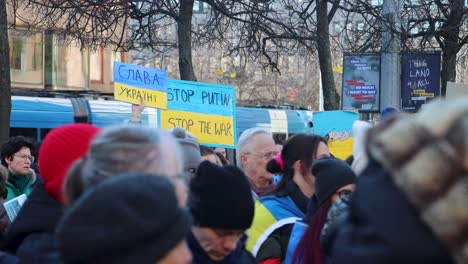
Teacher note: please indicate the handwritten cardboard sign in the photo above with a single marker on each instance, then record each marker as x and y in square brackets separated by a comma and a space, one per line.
[420, 79]
[133, 82]
[205, 110]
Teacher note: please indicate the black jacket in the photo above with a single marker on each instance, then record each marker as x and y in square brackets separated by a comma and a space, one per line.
[31, 235]
[239, 256]
[383, 227]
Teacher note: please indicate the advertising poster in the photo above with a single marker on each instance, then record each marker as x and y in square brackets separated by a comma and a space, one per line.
[420, 79]
[361, 82]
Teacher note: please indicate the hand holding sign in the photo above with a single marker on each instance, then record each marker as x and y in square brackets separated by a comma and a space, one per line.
[137, 110]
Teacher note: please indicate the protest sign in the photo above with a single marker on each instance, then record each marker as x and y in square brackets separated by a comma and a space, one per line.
[133, 82]
[205, 110]
[13, 206]
[420, 79]
[361, 82]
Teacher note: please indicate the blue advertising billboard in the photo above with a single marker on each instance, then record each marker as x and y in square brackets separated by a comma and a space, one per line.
[420, 79]
[361, 82]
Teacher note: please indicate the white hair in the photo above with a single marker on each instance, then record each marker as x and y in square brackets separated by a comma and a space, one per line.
[123, 149]
[244, 140]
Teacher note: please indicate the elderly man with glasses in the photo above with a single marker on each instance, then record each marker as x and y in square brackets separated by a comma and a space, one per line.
[254, 149]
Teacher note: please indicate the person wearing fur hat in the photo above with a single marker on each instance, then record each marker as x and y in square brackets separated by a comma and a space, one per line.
[17, 158]
[410, 203]
[220, 201]
[130, 218]
[31, 236]
[334, 180]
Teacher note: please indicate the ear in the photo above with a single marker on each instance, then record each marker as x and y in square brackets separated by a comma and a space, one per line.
[8, 160]
[244, 160]
[297, 166]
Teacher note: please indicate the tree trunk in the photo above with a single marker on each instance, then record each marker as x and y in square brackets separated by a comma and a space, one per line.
[184, 32]
[451, 45]
[330, 96]
[5, 89]
[449, 67]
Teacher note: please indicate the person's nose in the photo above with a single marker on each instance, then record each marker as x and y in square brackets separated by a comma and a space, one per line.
[230, 242]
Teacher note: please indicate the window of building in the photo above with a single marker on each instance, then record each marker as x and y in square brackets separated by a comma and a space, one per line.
[115, 56]
[337, 27]
[96, 65]
[66, 64]
[200, 7]
[360, 25]
[26, 57]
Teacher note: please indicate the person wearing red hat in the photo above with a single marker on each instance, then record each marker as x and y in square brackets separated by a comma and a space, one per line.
[31, 236]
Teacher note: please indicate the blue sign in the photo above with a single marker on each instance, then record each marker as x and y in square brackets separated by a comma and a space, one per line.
[140, 77]
[208, 111]
[204, 98]
[420, 77]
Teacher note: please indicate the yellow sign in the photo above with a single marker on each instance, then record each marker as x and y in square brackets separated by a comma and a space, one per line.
[338, 69]
[207, 128]
[132, 94]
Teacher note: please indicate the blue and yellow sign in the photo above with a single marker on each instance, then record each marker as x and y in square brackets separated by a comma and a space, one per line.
[133, 82]
[205, 110]
[338, 127]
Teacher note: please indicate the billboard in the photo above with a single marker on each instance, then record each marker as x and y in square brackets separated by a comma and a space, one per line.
[361, 82]
[420, 79]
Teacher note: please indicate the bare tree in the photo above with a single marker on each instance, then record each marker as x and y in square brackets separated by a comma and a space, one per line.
[426, 25]
[5, 82]
[264, 28]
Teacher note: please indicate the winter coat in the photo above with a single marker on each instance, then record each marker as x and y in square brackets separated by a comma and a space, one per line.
[274, 217]
[410, 204]
[13, 191]
[31, 236]
[239, 256]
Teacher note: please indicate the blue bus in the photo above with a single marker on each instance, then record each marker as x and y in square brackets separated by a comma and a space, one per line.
[35, 116]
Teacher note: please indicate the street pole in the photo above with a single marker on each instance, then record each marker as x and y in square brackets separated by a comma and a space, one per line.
[390, 61]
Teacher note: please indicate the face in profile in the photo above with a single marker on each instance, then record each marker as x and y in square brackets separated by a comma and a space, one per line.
[222, 151]
[261, 150]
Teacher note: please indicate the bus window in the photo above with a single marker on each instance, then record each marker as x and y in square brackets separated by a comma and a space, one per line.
[26, 132]
[44, 132]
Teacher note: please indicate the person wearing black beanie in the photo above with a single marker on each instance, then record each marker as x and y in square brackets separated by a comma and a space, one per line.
[220, 201]
[334, 180]
[133, 218]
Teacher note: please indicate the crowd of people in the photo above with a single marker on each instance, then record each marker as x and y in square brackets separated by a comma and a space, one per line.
[134, 194]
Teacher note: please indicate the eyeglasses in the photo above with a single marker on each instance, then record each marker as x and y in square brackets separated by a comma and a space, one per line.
[25, 157]
[265, 156]
[344, 192]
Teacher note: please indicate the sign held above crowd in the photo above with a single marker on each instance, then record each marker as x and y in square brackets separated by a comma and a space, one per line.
[133, 82]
